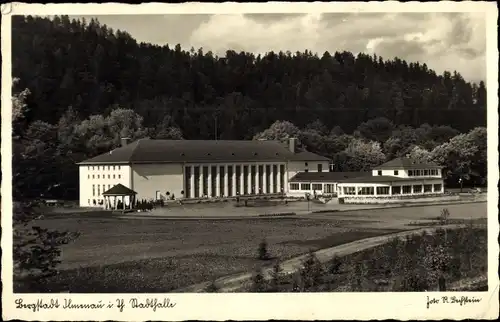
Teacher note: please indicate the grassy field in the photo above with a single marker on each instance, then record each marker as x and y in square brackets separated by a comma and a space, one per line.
[149, 255]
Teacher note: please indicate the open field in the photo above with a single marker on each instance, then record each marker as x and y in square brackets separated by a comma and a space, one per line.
[151, 255]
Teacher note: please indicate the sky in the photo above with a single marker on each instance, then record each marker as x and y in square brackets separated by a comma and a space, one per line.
[444, 41]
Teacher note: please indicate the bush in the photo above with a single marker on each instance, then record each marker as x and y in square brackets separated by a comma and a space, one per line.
[443, 218]
[262, 251]
[335, 265]
[212, 287]
[312, 273]
[259, 284]
[276, 277]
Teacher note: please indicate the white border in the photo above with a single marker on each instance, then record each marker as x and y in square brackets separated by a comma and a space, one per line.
[323, 306]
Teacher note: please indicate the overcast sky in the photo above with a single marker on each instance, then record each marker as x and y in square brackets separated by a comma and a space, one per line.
[444, 41]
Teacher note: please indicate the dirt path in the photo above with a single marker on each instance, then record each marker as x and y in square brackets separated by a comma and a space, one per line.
[236, 282]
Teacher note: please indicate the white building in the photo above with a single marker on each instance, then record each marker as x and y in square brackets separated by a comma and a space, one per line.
[162, 169]
[396, 179]
[319, 183]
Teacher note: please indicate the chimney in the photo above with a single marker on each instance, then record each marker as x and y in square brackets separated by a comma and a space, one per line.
[125, 141]
[292, 142]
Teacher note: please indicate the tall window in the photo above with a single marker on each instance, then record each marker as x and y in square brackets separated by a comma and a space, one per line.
[93, 190]
[221, 180]
[426, 172]
[252, 179]
[396, 190]
[196, 173]
[205, 181]
[98, 190]
[406, 189]
[437, 187]
[320, 167]
[417, 189]
[294, 186]
[268, 178]
[230, 181]
[187, 182]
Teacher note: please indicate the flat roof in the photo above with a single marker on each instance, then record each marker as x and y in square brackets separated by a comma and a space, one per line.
[326, 176]
[376, 179]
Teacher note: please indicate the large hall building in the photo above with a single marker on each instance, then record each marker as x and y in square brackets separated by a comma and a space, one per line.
[162, 169]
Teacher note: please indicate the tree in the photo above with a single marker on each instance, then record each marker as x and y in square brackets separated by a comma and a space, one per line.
[280, 131]
[378, 129]
[363, 156]
[36, 250]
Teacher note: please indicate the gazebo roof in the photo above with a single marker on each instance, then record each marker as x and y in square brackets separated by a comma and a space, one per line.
[119, 190]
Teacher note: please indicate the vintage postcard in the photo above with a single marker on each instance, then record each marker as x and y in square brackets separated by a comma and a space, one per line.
[249, 161]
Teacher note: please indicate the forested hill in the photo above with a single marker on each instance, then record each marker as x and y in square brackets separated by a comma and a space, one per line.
[94, 69]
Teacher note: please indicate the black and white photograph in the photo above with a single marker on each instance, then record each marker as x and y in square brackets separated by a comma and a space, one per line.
[165, 153]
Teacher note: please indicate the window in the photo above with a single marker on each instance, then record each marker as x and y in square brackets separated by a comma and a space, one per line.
[382, 190]
[320, 168]
[379, 172]
[109, 186]
[426, 172]
[366, 191]
[396, 190]
[427, 188]
[119, 167]
[410, 173]
[417, 173]
[109, 176]
[329, 188]
[437, 187]
[98, 190]
[349, 191]
[119, 176]
[406, 189]
[306, 170]
[317, 186]
[93, 190]
[88, 177]
[114, 167]
[305, 186]
[294, 186]
[114, 176]
[98, 168]
[417, 189]
[396, 172]
[93, 176]
[306, 164]
[98, 176]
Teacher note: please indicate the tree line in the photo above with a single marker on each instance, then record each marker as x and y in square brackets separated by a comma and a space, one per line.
[81, 86]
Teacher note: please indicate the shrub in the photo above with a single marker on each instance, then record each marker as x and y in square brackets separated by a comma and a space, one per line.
[212, 287]
[312, 273]
[276, 277]
[263, 254]
[259, 284]
[335, 265]
[443, 218]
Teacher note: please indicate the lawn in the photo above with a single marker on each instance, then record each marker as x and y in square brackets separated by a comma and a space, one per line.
[150, 255]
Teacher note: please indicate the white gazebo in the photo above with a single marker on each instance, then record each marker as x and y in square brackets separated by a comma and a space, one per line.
[119, 193]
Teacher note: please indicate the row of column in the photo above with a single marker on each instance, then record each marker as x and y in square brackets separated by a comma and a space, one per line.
[267, 178]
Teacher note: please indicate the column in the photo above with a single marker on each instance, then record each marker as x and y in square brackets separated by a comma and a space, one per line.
[191, 183]
[242, 182]
[271, 178]
[356, 190]
[234, 179]
[256, 188]
[278, 177]
[390, 190]
[217, 181]
[432, 187]
[375, 191]
[412, 190]
[264, 178]
[200, 181]
[249, 179]
[226, 181]
[209, 181]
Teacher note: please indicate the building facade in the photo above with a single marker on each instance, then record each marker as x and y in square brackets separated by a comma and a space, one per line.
[396, 179]
[174, 169]
[319, 183]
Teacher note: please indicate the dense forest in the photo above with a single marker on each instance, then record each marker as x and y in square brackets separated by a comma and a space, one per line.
[80, 86]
